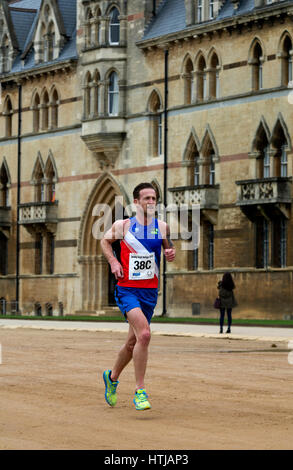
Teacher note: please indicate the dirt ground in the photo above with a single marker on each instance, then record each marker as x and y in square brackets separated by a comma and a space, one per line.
[205, 393]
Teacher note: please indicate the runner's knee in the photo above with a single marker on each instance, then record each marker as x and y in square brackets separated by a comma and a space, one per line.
[144, 337]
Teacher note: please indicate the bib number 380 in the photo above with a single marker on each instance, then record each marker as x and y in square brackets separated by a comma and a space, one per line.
[141, 266]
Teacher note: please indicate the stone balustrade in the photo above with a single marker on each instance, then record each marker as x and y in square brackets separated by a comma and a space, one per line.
[39, 213]
[264, 191]
[207, 196]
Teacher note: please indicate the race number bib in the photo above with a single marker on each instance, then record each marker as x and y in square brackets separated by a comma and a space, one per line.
[141, 267]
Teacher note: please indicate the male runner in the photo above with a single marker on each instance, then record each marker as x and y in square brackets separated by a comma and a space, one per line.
[136, 292]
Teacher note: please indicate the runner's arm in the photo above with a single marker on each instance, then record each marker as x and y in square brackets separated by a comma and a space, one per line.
[169, 248]
[115, 233]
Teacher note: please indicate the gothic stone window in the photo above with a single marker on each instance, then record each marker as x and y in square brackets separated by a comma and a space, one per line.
[261, 149]
[214, 82]
[155, 108]
[201, 88]
[191, 157]
[280, 149]
[45, 110]
[3, 254]
[114, 27]
[4, 186]
[286, 61]
[256, 62]
[188, 81]
[113, 95]
[36, 112]
[8, 113]
[271, 242]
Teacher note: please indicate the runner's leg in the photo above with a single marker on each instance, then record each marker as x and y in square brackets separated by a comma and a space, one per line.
[142, 332]
[125, 355]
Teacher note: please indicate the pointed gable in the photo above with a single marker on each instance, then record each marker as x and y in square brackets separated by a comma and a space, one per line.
[50, 35]
[36, 33]
[8, 39]
[7, 24]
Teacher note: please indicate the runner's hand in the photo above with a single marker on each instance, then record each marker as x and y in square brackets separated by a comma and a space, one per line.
[170, 254]
[117, 269]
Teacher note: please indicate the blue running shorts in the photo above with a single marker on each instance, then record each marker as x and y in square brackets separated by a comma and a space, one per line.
[128, 298]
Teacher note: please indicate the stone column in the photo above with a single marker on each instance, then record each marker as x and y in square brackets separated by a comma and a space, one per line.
[122, 98]
[97, 31]
[123, 30]
[89, 283]
[199, 92]
[92, 98]
[81, 261]
[86, 101]
[105, 30]
[93, 41]
[85, 277]
[103, 85]
[201, 249]
[95, 99]
[96, 287]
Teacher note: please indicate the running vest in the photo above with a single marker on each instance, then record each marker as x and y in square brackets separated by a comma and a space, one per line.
[140, 255]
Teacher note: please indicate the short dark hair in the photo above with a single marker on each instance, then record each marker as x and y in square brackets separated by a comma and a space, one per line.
[141, 186]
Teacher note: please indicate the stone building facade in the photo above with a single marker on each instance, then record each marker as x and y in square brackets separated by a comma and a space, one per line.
[193, 96]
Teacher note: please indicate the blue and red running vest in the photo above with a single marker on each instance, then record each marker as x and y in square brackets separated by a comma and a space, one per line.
[141, 239]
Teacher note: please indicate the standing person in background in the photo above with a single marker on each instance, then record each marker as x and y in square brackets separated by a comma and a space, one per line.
[227, 299]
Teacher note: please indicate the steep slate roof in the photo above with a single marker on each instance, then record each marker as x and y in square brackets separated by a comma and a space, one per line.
[28, 4]
[24, 16]
[22, 22]
[170, 17]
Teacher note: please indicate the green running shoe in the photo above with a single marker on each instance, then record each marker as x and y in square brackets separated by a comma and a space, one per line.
[140, 400]
[110, 389]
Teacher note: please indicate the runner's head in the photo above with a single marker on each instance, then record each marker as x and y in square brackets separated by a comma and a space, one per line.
[144, 195]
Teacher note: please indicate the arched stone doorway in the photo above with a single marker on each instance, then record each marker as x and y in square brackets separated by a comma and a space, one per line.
[95, 281]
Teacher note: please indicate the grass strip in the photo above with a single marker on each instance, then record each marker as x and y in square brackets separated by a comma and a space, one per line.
[156, 319]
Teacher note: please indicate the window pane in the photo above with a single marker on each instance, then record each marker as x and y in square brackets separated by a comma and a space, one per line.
[113, 94]
[160, 135]
[199, 11]
[212, 171]
[260, 77]
[3, 254]
[266, 163]
[262, 243]
[284, 162]
[211, 246]
[115, 34]
[114, 27]
[290, 74]
[283, 243]
[196, 174]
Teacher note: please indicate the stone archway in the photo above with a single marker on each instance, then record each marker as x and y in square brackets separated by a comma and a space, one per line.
[94, 267]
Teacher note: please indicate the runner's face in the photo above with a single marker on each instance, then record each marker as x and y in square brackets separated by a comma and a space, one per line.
[147, 201]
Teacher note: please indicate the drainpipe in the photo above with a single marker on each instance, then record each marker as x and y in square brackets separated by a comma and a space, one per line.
[166, 57]
[18, 192]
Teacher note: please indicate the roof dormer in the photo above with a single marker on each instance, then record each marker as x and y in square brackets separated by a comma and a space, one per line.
[50, 35]
[8, 40]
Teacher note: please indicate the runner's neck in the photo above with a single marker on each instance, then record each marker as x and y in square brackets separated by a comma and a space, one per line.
[144, 219]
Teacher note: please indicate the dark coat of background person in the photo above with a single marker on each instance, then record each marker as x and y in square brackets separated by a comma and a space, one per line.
[227, 297]
[227, 300]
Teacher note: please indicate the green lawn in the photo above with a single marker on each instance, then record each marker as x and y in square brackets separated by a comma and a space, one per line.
[158, 319]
